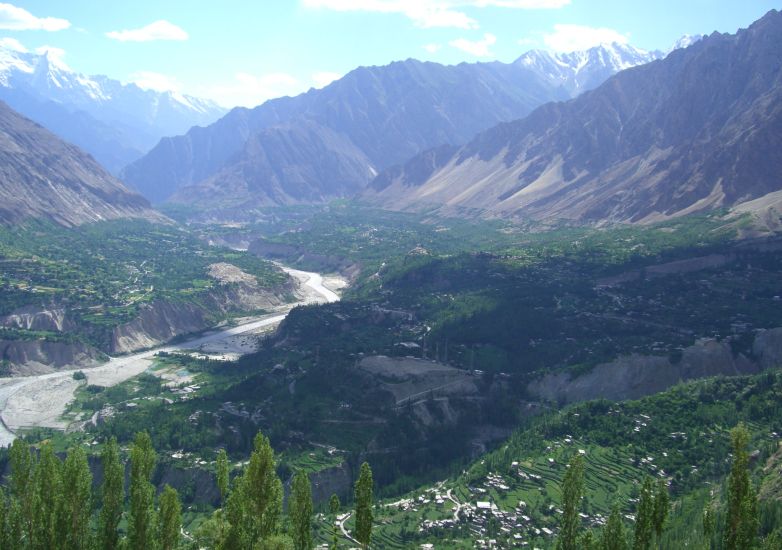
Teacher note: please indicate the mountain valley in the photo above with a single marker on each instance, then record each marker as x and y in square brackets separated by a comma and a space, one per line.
[534, 304]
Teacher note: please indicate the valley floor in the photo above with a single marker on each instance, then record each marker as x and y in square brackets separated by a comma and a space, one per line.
[40, 401]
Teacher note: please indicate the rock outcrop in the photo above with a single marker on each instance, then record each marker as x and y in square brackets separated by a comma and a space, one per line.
[28, 357]
[635, 376]
[37, 318]
[161, 321]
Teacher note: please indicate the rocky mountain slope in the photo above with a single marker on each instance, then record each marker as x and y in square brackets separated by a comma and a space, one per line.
[41, 176]
[116, 123]
[371, 119]
[695, 131]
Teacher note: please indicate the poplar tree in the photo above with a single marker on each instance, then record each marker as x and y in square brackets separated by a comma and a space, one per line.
[22, 464]
[262, 492]
[741, 519]
[142, 493]
[169, 519]
[222, 474]
[334, 509]
[614, 537]
[300, 511]
[662, 504]
[11, 526]
[709, 525]
[363, 494]
[76, 506]
[572, 493]
[112, 496]
[644, 517]
[47, 488]
[254, 505]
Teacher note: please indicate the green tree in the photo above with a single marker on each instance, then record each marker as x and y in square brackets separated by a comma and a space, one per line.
[614, 537]
[334, 506]
[709, 524]
[363, 495]
[572, 493]
[48, 531]
[222, 474]
[741, 520]
[169, 519]
[22, 464]
[262, 492]
[773, 541]
[11, 527]
[588, 541]
[644, 517]
[300, 511]
[223, 480]
[141, 519]
[662, 505]
[76, 500]
[112, 496]
[254, 505]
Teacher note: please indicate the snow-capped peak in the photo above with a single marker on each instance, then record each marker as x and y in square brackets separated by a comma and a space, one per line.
[45, 73]
[582, 70]
[685, 41]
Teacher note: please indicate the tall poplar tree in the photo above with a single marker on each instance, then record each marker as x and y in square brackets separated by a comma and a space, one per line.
[741, 520]
[221, 468]
[22, 463]
[300, 511]
[169, 519]
[76, 506]
[47, 486]
[662, 504]
[644, 517]
[572, 493]
[614, 537]
[254, 505]
[112, 496]
[141, 520]
[364, 517]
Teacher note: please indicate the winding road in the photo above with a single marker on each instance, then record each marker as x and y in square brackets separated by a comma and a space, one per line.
[41, 400]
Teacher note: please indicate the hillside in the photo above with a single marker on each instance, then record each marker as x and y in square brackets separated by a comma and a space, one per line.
[43, 177]
[386, 113]
[698, 130]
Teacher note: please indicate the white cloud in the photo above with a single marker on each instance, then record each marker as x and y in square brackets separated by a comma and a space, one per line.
[248, 90]
[432, 48]
[324, 78]
[19, 19]
[149, 80]
[478, 48]
[12, 44]
[159, 30]
[527, 42]
[570, 38]
[432, 13]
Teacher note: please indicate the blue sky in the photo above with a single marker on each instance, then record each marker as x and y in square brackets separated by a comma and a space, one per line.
[244, 52]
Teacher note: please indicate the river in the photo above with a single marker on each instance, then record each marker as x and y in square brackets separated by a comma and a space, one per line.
[40, 400]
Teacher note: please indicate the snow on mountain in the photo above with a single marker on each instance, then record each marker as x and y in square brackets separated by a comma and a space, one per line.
[579, 71]
[685, 41]
[115, 122]
[582, 70]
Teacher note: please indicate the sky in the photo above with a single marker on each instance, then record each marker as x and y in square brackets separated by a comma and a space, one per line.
[245, 52]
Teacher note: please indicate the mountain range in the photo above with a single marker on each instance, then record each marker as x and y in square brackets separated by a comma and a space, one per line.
[331, 142]
[116, 123]
[43, 177]
[700, 129]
